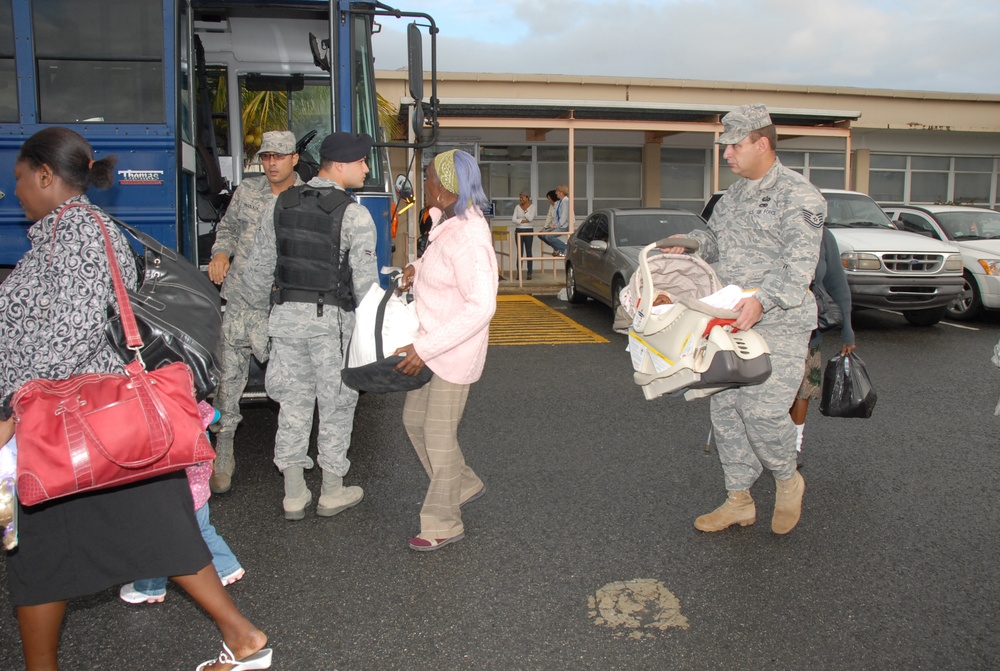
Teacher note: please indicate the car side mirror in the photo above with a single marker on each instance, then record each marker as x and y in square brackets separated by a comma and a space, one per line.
[599, 245]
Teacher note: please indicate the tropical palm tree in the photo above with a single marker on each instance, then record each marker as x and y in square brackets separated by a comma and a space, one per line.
[268, 110]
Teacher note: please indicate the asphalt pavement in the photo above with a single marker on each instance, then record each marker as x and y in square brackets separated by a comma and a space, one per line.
[582, 553]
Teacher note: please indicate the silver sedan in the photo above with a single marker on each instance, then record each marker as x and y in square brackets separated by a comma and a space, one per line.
[604, 251]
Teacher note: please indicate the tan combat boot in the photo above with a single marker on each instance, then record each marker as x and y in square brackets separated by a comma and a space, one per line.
[787, 503]
[224, 465]
[335, 497]
[297, 494]
[738, 509]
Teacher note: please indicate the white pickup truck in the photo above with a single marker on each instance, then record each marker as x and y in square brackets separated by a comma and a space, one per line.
[888, 268]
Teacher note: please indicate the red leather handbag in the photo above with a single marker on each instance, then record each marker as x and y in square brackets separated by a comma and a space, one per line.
[101, 430]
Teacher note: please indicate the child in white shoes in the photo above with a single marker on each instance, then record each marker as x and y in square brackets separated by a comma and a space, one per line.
[154, 590]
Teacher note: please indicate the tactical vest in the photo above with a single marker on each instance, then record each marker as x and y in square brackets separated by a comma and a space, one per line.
[307, 223]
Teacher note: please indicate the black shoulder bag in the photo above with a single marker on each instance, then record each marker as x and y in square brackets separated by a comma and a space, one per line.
[179, 313]
[828, 313]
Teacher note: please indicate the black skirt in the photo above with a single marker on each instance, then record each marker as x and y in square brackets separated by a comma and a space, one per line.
[86, 543]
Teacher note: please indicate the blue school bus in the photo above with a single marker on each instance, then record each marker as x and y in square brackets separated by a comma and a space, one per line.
[182, 90]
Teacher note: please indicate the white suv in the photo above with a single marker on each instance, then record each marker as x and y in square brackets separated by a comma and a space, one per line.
[976, 232]
[888, 268]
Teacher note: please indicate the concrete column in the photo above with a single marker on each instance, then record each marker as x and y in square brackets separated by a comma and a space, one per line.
[572, 178]
[651, 173]
[862, 163]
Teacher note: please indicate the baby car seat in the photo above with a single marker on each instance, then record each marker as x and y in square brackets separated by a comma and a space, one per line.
[689, 348]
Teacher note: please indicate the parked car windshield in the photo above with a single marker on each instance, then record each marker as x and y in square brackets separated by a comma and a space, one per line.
[642, 229]
[983, 225]
[854, 211]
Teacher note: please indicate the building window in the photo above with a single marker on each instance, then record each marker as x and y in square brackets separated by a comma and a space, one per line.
[617, 179]
[929, 179]
[551, 170]
[823, 169]
[683, 175]
[506, 173]
[933, 179]
[973, 177]
[887, 178]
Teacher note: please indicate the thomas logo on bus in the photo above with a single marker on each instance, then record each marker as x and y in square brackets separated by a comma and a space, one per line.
[140, 177]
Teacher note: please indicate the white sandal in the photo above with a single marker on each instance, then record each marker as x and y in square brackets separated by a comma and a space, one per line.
[258, 660]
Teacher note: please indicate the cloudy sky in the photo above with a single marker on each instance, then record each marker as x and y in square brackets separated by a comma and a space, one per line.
[922, 45]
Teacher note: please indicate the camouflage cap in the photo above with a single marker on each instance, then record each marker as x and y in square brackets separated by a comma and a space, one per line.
[277, 142]
[741, 121]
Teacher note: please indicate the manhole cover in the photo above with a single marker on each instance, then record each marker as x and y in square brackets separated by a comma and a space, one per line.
[636, 608]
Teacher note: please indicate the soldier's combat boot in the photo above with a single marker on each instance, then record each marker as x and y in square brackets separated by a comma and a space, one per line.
[297, 495]
[787, 503]
[738, 509]
[224, 465]
[335, 497]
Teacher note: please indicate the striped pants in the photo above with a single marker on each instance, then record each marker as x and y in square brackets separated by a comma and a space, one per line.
[431, 416]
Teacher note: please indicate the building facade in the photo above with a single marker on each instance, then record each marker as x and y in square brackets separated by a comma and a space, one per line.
[621, 142]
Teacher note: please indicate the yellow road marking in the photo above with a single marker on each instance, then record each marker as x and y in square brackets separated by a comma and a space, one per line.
[524, 320]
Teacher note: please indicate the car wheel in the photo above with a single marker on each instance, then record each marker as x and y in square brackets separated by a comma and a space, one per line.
[926, 317]
[572, 295]
[969, 303]
[617, 284]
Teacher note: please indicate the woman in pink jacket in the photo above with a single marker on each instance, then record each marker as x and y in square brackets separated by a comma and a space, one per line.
[455, 290]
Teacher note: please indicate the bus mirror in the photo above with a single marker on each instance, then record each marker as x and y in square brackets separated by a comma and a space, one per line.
[404, 190]
[418, 120]
[415, 62]
[321, 56]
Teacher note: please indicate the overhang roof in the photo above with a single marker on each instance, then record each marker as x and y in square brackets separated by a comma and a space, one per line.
[500, 108]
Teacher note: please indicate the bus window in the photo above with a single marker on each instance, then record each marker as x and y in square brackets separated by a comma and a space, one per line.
[117, 79]
[8, 77]
[218, 103]
[366, 111]
[301, 106]
[185, 78]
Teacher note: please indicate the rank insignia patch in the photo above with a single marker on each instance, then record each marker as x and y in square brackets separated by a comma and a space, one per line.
[812, 218]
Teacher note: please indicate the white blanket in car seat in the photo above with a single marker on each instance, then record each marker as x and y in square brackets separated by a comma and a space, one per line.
[725, 298]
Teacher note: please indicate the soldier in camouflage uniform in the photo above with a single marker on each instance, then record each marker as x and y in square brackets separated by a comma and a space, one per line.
[246, 286]
[764, 233]
[309, 337]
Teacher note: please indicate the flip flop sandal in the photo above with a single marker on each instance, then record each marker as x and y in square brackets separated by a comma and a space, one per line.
[258, 660]
[424, 545]
[475, 497]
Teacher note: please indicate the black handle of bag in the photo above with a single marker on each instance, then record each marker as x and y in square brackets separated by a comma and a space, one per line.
[147, 240]
[380, 319]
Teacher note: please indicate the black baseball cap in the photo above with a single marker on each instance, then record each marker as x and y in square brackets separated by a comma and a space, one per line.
[346, 147]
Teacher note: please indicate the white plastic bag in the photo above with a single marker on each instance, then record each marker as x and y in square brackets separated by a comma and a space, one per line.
[399, 326]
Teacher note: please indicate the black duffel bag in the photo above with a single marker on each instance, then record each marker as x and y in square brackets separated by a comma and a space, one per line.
[179, 313]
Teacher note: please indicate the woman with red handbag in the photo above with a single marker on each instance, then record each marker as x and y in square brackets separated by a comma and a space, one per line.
[52, 317]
